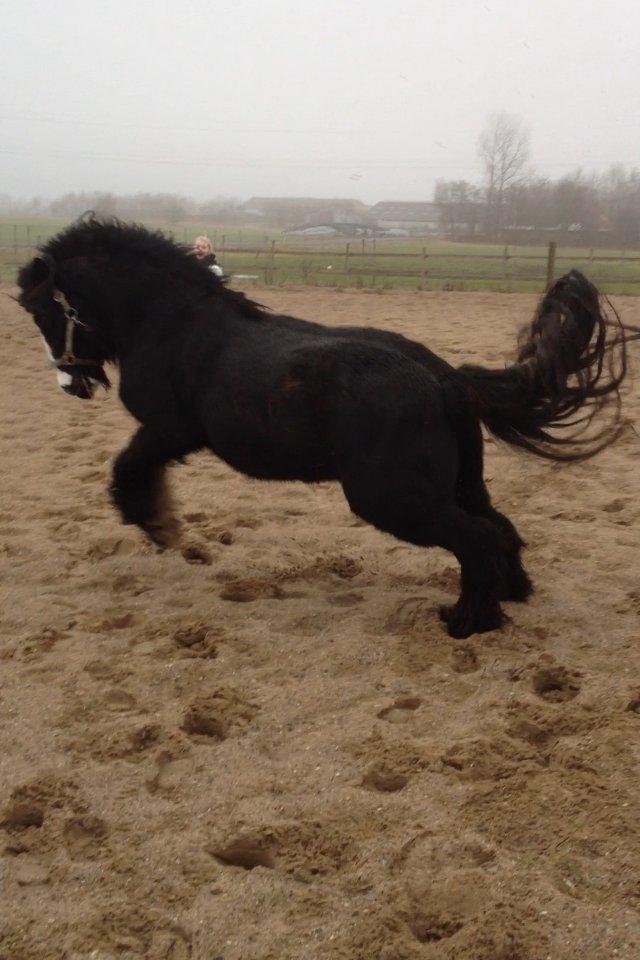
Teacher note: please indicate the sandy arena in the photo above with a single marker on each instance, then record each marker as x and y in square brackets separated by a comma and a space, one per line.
[269, 748]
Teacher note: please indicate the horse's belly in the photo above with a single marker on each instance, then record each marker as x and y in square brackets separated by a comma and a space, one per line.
[265, 460]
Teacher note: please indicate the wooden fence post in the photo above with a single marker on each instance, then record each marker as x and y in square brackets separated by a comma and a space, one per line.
[505, 266]
[346, 261]
[273, 263]
[423, 272]
[551, 263]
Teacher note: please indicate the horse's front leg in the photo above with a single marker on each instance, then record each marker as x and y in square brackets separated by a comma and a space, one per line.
[139, 488]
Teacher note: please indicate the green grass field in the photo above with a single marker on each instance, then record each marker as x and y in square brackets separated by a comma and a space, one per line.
[316, 261]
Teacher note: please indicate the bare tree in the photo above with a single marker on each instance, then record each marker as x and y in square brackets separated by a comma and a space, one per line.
[221, 209]
[75, 204]
[576, 202]
[620, 193]
[460, 205]
[503, 148]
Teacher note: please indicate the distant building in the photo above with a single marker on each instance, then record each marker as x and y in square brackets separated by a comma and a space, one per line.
[406, 219]
[335, 229]
[299, 212]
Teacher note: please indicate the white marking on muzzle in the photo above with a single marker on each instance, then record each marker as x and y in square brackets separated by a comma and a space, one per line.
[64, 379]
[47, 349]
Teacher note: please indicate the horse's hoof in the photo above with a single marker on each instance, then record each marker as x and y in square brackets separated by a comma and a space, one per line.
[457, 620]
[462, 623]
[165, 534]
[460, 628]
[445, 612]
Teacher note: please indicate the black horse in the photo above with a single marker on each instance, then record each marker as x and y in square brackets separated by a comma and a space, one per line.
[284, 399]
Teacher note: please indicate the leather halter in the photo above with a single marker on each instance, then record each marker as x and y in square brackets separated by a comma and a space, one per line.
[68, 358]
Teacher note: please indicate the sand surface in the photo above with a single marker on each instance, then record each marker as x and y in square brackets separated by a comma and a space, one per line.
[304, 765]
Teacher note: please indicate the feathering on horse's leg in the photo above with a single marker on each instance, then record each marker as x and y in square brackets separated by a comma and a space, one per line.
[139, 488]
[418, 510]
[472, 495]
[479, 547]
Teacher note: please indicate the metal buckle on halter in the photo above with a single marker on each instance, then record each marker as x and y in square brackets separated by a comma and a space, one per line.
[70, 312]
[68, 358]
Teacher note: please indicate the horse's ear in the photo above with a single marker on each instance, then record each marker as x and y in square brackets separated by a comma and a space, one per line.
[88, 218]
[37, 274]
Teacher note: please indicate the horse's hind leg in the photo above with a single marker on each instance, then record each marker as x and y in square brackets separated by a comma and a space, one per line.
[478, 545]
[139, 489]
[516, 586]
[414, 509]
[472, 495]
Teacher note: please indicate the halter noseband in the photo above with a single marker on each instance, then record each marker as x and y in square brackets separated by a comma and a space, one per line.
[68, 358]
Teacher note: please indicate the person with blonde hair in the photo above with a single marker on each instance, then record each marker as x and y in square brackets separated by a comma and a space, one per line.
[203, 251]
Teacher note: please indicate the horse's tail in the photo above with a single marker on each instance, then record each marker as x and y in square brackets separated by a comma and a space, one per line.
[571, 363]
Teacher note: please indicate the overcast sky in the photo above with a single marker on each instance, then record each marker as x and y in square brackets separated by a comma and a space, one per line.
[340, 98]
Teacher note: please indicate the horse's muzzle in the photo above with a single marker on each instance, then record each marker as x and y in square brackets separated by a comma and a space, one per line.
[80, 381]
[81, 387]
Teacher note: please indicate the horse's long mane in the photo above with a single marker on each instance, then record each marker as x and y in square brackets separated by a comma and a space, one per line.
[111, 238]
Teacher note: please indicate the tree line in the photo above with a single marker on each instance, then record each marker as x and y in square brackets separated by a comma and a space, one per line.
[513, 196]
[164, 207]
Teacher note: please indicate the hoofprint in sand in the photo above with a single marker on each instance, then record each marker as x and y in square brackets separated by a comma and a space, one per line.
[273, 751]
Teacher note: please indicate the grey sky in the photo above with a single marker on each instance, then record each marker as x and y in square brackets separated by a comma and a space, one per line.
[373, 100]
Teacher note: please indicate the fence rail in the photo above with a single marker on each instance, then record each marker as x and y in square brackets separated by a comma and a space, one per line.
[365, 263]
[425, 260]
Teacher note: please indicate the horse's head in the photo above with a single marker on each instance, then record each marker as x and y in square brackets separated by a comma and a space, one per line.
[71, 337]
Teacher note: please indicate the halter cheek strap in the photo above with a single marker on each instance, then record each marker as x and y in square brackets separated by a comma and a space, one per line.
[68, 358]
